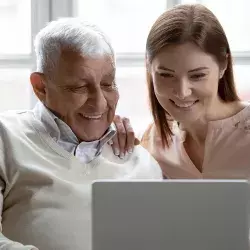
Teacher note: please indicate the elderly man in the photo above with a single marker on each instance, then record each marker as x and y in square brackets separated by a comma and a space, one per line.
[50, 155]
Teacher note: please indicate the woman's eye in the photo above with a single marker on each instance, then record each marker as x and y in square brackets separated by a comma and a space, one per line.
[166, 75]
[198, 76]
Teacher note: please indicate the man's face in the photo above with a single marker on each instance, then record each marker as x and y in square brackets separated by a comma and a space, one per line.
[83, 94]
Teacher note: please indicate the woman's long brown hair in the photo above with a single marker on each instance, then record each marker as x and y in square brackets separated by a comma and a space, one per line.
[188, 23]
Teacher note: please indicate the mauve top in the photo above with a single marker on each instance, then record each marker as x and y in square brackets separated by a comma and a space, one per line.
[227, 150]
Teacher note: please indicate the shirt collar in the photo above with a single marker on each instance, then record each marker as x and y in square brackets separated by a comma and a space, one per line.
[59, 130]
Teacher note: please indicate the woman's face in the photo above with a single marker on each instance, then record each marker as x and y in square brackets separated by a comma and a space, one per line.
[185, 81]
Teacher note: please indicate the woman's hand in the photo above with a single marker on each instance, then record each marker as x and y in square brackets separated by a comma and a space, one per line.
[124, 141]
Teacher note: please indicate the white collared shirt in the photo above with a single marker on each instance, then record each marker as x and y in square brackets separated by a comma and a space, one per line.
[64, 136]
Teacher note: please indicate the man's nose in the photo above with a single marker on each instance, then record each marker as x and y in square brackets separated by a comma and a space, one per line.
[97, 100]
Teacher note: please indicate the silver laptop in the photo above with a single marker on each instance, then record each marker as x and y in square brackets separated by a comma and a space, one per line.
[170, 215]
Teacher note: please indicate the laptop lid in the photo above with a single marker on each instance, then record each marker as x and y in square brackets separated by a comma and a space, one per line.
[172, 214]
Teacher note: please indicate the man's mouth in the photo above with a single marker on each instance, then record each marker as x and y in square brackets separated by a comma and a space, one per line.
[92, 117]
[184, 105]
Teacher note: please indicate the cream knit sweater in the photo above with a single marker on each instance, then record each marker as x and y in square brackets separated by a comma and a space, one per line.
[45, 190]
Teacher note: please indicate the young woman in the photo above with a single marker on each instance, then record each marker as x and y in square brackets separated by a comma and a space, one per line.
[201, 128]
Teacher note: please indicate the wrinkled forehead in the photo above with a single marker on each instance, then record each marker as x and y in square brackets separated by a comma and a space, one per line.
[74, 64]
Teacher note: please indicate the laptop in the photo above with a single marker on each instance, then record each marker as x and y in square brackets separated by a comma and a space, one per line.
[170, 215]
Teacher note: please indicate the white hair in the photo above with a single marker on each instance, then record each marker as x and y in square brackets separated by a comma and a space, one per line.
[69, 34]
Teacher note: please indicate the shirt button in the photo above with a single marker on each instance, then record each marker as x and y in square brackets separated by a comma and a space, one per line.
[247, 125]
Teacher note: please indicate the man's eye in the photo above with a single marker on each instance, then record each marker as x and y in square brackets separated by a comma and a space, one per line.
[81, 89]
[198, 76]
[166, 75]
[109, 85]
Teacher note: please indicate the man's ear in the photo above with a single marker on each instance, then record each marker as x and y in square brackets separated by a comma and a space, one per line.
[39, 88]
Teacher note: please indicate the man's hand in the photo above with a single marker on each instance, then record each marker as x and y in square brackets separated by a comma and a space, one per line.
[124, 141]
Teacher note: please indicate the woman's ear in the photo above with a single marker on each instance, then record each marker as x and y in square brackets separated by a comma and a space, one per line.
[222, 72]
[147, 64]
[223, 67]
